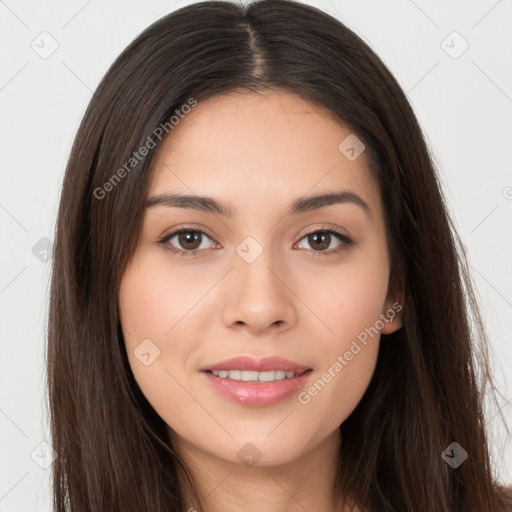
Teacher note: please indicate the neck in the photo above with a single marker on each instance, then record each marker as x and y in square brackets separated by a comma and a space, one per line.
[305, 483]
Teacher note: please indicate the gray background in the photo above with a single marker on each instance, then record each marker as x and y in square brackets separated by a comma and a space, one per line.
[463, 102]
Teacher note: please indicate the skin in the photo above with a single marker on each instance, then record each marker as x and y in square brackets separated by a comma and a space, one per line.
[258, 152]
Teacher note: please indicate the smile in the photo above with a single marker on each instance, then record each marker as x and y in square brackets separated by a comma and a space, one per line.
[253, 376]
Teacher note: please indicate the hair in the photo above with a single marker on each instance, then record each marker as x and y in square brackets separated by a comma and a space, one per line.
[429, 384]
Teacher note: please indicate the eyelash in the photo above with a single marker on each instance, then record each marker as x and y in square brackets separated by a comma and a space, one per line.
[346, 242]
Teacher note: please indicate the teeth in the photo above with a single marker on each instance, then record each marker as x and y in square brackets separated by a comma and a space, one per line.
[247, 376]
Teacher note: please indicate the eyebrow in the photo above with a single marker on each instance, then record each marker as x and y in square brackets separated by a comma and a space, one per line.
[301, 205]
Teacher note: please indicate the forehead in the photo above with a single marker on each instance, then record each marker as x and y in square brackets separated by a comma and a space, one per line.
[258, 149]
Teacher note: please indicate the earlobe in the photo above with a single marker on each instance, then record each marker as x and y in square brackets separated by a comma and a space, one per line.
[393, 325]
[393, 315]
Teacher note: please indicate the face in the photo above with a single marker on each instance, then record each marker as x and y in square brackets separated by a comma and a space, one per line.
[263, 272]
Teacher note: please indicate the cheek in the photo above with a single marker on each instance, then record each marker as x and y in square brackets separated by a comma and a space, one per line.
[351, 297]
[153, 304]
[351, 306]
[336, 391]
[154, 297]
[348, 360]
[359, 301]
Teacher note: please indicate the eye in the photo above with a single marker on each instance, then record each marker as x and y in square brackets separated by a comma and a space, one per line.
[188, 241]
[320, 240]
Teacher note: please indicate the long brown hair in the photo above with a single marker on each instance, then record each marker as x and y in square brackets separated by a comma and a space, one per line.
[427, 391]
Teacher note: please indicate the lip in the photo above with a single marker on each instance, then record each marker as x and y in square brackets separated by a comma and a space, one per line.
[257, 394]
[265, 364]
[254, 393]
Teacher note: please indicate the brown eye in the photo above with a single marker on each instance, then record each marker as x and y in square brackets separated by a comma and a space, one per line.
[186, 241]
[319, 241]
[189, 239]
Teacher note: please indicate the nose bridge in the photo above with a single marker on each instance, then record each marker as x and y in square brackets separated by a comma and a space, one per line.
[260, 298]
[256, 264]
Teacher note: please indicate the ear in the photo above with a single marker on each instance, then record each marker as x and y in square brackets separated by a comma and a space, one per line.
[393, 313]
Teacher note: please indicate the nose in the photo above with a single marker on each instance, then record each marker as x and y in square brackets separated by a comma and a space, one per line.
[259, 297]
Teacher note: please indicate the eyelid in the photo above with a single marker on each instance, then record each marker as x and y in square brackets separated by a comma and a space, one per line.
[187, 227]
[308, 230]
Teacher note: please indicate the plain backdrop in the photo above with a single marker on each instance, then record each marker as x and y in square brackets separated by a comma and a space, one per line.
[451, 58]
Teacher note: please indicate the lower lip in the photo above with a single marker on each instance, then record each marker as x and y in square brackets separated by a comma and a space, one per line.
[257, 393]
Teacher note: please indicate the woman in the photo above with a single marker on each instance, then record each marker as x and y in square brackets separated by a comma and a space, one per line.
[258, 298]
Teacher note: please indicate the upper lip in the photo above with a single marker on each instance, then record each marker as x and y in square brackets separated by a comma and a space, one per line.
[265, 364]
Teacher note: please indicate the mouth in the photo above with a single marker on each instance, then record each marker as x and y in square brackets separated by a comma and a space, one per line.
[259, 365]
[255, 376]
[256, 389]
